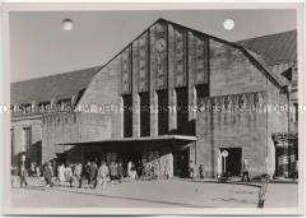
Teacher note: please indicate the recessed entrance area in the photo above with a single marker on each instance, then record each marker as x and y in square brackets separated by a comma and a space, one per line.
[231, 160]
[181, 163]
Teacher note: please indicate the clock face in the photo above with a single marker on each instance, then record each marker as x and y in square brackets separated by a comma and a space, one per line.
[160, 44]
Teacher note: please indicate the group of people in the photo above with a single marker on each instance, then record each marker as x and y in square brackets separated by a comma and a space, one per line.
[34, 170]
[90, 174]
[193, 172]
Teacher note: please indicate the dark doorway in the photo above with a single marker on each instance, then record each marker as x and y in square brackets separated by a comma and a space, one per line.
[181, 163]
[233, 161]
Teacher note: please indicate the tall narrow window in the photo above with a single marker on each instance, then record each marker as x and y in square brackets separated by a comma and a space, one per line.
[144, 114]
[163, 117]
[182, 111]
[27, 140]
[127, 116]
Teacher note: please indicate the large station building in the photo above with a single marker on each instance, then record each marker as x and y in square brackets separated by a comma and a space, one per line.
[173, 95]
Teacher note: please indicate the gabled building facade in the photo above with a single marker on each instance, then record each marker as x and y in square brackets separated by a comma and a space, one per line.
[172, 96]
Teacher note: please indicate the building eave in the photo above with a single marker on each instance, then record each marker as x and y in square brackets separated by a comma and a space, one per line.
[182, 138]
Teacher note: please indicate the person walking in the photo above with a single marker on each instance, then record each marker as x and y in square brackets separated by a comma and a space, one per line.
[120, 171]
[102, 176]
[85, 175]
[129, 168]
[32, 170]
[48, 173]
[201, 171]
[23, 174]
[93, 170]
[37, 171]
[61, 174]
[113, 171]
[139, 169]
[69, 175]
[133, 172]
[78, 174]
[245, 171]
[192, 170]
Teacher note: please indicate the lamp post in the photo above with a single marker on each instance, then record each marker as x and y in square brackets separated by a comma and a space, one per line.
[224, 155]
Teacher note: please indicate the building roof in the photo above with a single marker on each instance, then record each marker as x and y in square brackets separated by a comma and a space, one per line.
[275, 49]
[278, 52]
[46, 88]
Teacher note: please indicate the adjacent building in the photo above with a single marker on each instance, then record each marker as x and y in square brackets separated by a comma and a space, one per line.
[172, 96]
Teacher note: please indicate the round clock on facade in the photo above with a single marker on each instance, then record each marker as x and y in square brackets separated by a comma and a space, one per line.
[160, 44]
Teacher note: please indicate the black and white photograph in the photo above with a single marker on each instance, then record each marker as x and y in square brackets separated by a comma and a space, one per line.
[162, 110]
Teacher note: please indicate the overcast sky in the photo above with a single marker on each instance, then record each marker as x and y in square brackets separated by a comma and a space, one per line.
[40, 46]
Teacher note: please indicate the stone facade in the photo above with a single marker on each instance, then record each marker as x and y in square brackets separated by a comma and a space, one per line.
[172, 96]
[21, 124]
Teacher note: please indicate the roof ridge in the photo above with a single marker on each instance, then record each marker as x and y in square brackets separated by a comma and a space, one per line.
[263, 36]
[59, 74]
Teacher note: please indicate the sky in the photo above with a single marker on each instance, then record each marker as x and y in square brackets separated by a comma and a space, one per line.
[39, 46]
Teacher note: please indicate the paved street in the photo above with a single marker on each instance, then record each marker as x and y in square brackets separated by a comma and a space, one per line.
[282, 195]
[161, 194]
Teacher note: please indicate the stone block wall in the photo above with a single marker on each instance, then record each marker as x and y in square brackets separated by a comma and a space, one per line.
[232, 125]
[234, 77]
[103, 96]
[231, 72]
[62, 129]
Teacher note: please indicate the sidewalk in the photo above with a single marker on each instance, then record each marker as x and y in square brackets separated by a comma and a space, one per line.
[185, 193]
[176, 192]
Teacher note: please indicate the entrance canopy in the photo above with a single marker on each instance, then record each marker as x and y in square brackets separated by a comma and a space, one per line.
[175, 139]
